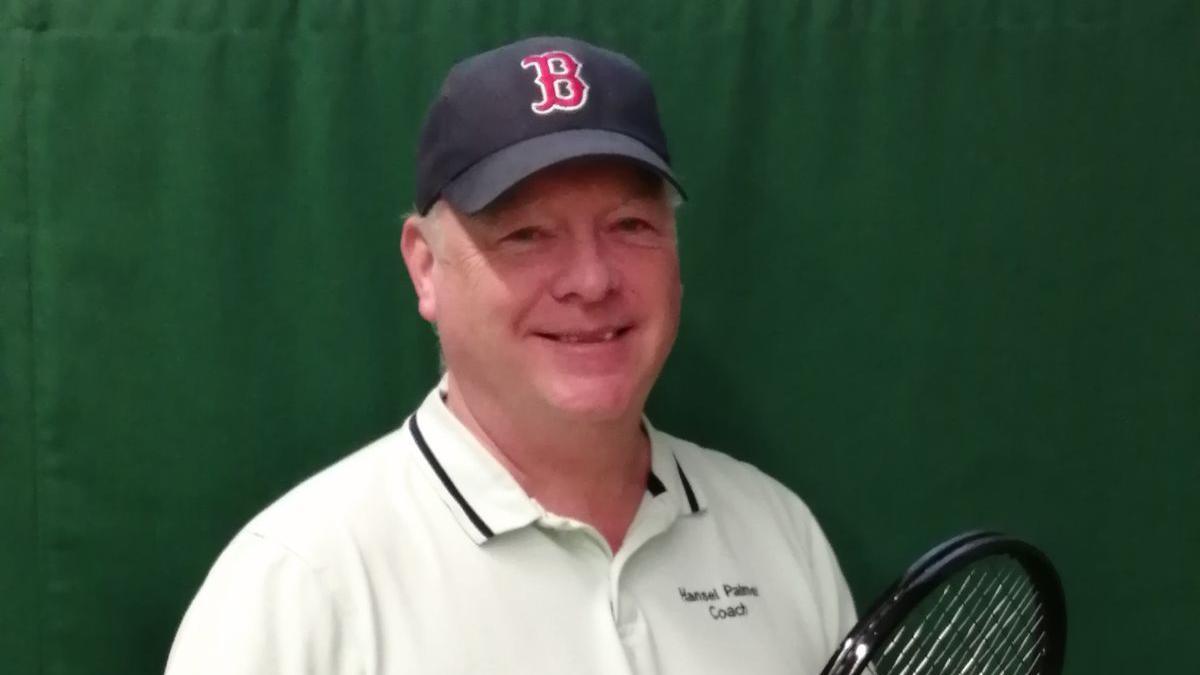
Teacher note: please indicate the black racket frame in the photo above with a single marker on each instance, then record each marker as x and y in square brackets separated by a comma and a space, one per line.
[933, 568]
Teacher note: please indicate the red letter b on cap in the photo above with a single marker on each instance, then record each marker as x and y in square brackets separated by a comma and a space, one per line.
[558, 77]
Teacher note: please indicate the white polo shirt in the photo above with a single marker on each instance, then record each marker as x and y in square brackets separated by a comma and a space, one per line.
[421, 554]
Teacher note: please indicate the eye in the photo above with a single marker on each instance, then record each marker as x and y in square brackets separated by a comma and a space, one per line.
[524, 234]
[634, 225]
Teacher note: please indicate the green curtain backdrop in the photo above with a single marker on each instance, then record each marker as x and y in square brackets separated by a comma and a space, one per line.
[941, 265]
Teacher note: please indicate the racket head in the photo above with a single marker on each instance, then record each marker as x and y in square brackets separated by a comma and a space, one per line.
[940, 566]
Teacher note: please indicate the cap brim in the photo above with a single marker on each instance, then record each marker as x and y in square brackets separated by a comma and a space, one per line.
[480, 185]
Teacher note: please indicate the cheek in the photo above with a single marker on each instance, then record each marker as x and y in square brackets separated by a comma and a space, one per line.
[493, 300]
[657, 296]
[528, 279]
[672, 288]
[658, 278]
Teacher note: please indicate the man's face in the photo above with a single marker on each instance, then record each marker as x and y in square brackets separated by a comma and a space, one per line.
[563, 298]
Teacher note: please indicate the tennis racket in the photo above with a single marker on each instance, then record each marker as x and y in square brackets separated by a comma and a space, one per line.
[981, 603]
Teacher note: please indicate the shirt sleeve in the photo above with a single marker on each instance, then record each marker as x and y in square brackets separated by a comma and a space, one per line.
[263, 610]
[826, 580]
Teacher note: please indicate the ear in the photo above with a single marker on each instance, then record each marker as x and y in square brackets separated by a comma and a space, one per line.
[418, 255]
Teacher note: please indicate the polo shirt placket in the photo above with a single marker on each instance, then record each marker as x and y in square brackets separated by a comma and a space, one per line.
[486, 488]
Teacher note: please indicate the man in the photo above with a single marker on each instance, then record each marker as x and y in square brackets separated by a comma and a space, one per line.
[527, 518]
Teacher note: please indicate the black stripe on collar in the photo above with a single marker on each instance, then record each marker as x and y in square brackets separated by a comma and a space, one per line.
[654, 486]
[449, 484]
[687, 489]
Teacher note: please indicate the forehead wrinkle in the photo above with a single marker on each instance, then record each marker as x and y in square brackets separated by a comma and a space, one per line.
[638, 196]
[584, 177]
[533, 208]
[494, 217]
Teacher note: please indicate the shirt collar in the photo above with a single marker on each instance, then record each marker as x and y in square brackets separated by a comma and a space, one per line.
[484, 497]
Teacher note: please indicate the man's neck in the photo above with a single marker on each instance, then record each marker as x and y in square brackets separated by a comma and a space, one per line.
[588, 471]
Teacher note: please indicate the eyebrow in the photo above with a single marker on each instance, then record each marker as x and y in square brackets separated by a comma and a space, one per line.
[640, 196]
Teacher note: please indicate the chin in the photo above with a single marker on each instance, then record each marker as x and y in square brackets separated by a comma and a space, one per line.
[594, 401]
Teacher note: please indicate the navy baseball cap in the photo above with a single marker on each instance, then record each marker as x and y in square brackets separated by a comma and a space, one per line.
[505, 114]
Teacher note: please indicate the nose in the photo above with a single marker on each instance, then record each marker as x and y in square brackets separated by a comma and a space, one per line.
[589, 273]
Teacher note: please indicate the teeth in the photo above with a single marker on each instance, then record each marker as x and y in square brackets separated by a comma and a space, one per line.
[575, 339]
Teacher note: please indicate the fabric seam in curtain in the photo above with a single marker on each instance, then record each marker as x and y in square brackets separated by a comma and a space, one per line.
[32, 424]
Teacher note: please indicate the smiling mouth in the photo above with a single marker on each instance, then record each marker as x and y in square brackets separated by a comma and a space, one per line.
[587, 337]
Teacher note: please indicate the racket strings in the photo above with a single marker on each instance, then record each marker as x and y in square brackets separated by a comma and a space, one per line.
[985, 620]
[935, 623]
[970, 640]
[983, 627]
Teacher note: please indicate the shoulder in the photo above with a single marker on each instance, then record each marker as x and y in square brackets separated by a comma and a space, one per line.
[764, 515]
[289, 577]
[739, 486]
[278, 593]
[334, 507]
[748, 503]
